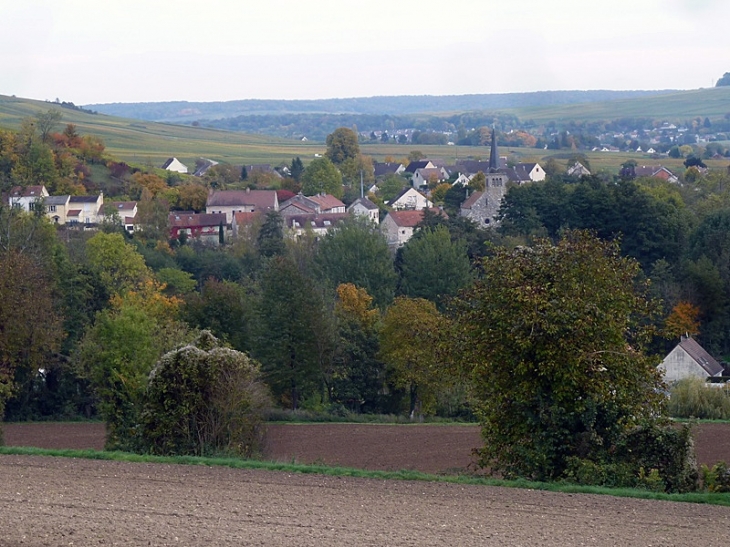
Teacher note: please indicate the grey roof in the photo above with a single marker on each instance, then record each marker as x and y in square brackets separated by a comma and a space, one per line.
[57, 200]
[701, 357]
[365, 202]
[387, 168]
[84, 199]
[416, 165]
[260, 199]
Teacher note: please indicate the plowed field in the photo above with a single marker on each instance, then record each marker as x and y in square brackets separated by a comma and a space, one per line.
[60, 501]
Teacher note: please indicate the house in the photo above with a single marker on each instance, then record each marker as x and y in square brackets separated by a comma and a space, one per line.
[409, 198]
[363, 207]
[124, 211]
[655, 171]
[398, 226]
[687, 360]
[85, 209]
[241, 201]
[318, 224]
[578, 170]
[422, 177]
[317, 204]
[26, 198]
[421, 164]
[327, 203]
[204, 227]
[483, 207]
[529, 172]
[202, 166]
[57, 208]
[175, 165]
[388, 168]
[262, 168]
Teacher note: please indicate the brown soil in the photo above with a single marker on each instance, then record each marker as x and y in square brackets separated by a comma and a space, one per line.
[59, 501]
[427, 448]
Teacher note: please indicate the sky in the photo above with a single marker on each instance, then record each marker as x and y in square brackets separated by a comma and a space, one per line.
[105, 51]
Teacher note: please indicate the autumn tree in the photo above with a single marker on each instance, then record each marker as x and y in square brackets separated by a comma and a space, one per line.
[356, 376]
[119, 266]
[409, 345]
[682, 321]
[552, 340]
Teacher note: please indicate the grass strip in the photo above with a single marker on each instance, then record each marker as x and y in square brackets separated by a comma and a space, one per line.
[236, 463]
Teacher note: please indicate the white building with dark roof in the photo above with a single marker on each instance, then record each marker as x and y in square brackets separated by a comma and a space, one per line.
[689, 360]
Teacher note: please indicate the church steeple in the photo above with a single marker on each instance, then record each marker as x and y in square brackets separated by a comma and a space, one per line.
[493, 153]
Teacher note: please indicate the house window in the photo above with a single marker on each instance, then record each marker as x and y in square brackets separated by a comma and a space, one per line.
[52, 208]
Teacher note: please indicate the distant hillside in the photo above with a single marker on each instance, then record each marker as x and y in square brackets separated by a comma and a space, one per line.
[678, 105]
[183, 111]
[149, 142]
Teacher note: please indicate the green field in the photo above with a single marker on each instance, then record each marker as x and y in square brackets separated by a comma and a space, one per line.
[712, 102]
[143, 142]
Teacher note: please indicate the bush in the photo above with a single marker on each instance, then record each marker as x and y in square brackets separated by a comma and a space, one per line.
[204, 399]
[716, 478]
[650, 457]
[695, 398]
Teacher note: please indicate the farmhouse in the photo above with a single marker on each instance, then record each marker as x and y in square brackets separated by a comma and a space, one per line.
[409, 198]
[26, 198]
[363, 207]
[688, 359]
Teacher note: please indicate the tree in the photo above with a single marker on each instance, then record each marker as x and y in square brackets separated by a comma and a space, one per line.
[478, 182]
[46, 121]
[682, 321]
[409, 346]
[552, 339]
[30, 326]
[204, 399]
[342, 145]
[724, 81]
[119, 266]
[356, 376]
[321, 176]
[270, 240]
[297, 168]
[357, 253]
[116, 356]
[432, 266]
[294, 339]
[391, 187]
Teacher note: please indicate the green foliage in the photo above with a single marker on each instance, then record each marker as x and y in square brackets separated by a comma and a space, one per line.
[270, 240]
[119, 266]
[432, 266]
[115, 357]
[409, 337]
[552, 342]
[294, 333]
[695, 398]
[342, 145]
[322, 177]
[204, 399]
[357, 253]
[716, 479]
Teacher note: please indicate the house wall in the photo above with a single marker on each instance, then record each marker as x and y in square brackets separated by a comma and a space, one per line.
[229, 210]
[395, 235]
[679, 365]
[372, 214]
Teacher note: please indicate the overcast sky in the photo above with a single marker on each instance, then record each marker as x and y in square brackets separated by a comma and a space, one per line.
[104, 51]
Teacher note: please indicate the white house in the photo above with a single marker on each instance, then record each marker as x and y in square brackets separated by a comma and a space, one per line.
[175, 165]
[85, 209]
[578, 170]
[409, 198]
[688, 359]
[363, 207]
[531, 171]
[25, 198]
